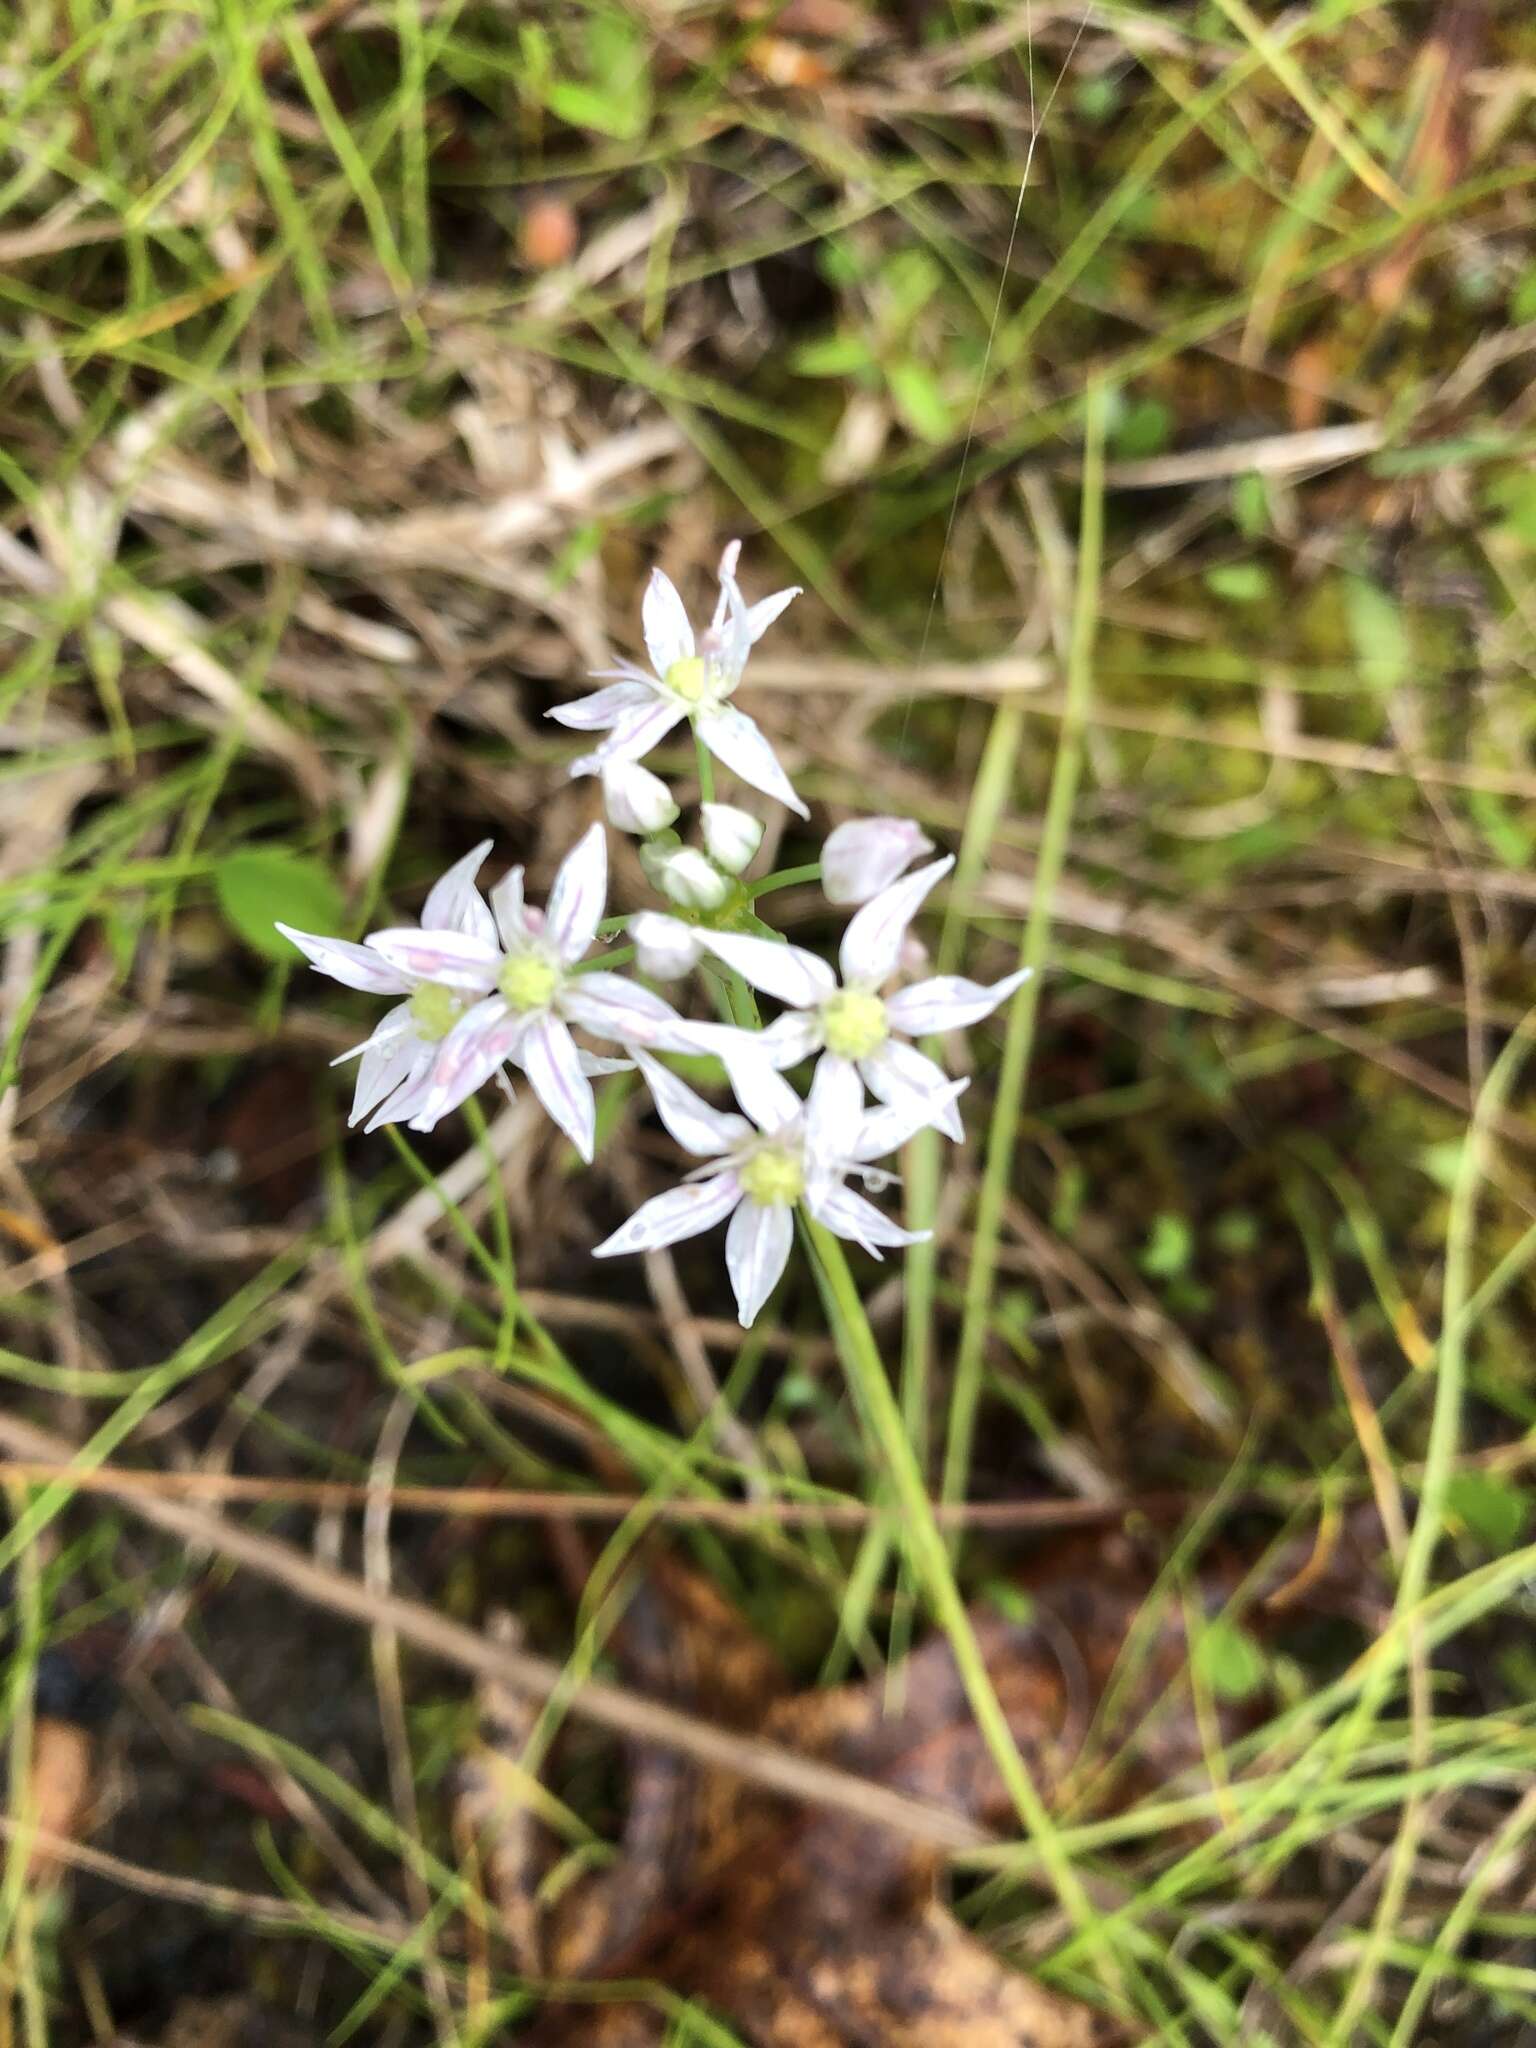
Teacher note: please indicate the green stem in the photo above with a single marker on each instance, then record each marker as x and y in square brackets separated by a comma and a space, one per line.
[931, 1567]
[1001, 1137]
[785, 878]
[706, 771]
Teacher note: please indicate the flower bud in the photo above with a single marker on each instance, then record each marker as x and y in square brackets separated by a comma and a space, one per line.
[731, 837]
[636, 800]
[691, 880]
[866, 855]
[664, 946]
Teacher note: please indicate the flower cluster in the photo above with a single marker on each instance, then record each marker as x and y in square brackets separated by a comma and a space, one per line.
[491, 983]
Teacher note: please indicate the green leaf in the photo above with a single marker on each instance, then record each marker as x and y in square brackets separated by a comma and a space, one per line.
[1144, 428]
[598, 108]
[1168, 1249]
[831, 355]
[1250, 505]
[920, 402]
[1230, 1661]
[259, 885]
[1515, 496]
[1379, 634]
[1238, 582]
[1522, 300]
[1493, 1509]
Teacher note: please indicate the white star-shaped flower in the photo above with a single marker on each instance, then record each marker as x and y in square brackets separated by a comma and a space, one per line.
[690, 677]
[783, 1152]
[850, 1021]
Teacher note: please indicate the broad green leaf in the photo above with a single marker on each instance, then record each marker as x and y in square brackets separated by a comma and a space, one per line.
[1238, 582]
[831, 355]
[1495, 1510]
[920, 402]
[259, 885]
[1230, 1661]
[1379, 634]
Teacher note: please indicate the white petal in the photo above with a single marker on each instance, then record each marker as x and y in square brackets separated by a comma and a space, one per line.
[636, 800]
[790, 973]
[595, 1066]
[834, 1109]
[454, 904]
[761, 615]
[756, 1253]
[405, 1101]
[887, 1129]
[664, 619]
[576, 900]
[482, 1040]
[908, 1080]
[665, 947]
[731, 836]
[547, 1055]
[453, 958]
[948, 1002]
[507, 909]
[697, 1125]
[395, 1023]
[730, 555]
[610, 1007]
[353, 966]
[850, 1216]
[386, 1063]
[680, 1212]
[604, 707]
[726, 1042]
[790, 1038]
[633, 736]
[766, 1096]
[733, 738]
[688, 878]
[866, 855]
[872, 943]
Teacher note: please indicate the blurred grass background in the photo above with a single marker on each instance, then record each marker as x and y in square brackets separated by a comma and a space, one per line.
[358, 362]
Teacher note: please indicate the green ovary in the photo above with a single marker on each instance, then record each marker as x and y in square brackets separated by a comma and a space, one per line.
[853, 1023]
[435, 1010]
[688, 679]
[528, 981]
[773, 1178]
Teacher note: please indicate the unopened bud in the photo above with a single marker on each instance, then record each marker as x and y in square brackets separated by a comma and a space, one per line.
[636, 800]
[866, 855]
[691, 880]
[731, 837]
[665, 948]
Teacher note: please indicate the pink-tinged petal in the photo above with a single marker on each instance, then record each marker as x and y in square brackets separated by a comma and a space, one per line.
[636, 733]
[788, 973]
[453, 958]
[756, 1253]
[949, 1002]
[548, 1057]
[887, 1129]
[664, 620]
[907, 1079]
[454, 904]
[577, 898]
[604, 707]
[760, 616]
[790, 1039]
[484, 1038]
[509, 910]
[866, 855]
[353, 966]
[766, 1096]
[872, 943]
[733, 738]
[610, 1007]
[405, 1101]
[385, 1065]
[681, 1212]
[697, 1125]
[834, 1109]
[848, 1215]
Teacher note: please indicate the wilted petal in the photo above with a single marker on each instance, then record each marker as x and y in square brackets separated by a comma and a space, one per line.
[385, 1064]
[453, 958]
[547, 1055]
[454, 904]
[508, 911]
[872, 943]
[353, 966]
[756, 1253]
[887, 1129]
[679, 1213]
[949, 1002]
[790, 1038]
[790, 973]
[664, 619]
[474, 1049]
[866, 855]
[577, 898]
[834, 1109]
[633, 736]
[697, 1125]
[849, 1215]
[904, 1077]
[604, 707]
[733, 738]
[760, 616]
[766, 1096]
[610, 1007]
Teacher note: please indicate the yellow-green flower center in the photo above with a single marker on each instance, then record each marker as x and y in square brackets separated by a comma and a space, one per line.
[435, 1010]
[853, 1023]
[773, 1177]
[688, 679]
[528, 981]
